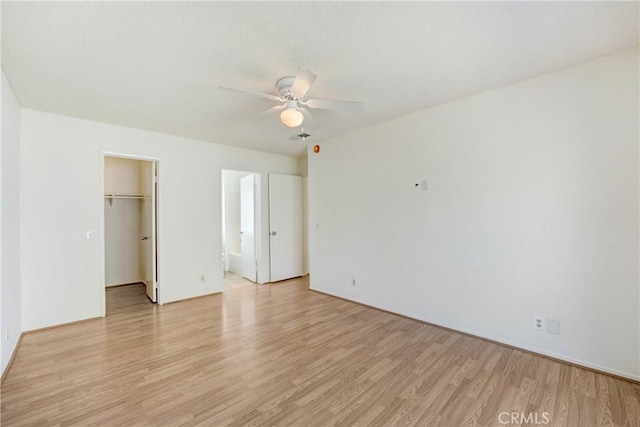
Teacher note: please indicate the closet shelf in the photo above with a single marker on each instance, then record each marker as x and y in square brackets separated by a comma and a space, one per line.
[123, 196]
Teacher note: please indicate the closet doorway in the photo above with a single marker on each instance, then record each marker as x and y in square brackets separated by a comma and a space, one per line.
[130, 228]
[240, 223]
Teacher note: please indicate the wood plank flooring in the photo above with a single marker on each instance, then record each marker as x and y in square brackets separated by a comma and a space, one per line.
[283, 355]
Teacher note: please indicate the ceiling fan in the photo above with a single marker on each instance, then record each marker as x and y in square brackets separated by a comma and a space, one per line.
[292, 92]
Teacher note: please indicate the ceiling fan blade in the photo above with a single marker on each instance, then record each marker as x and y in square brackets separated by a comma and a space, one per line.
[265, 113]
[249, 92]
[309, 121]
[329, 104]
[302, 83]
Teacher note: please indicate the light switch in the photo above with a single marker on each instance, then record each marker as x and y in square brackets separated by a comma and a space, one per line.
[89, 234]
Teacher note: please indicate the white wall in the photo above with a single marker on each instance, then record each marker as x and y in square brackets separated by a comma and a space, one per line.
[3, 84]
[123, 243]
[10, 293]
[61, 270]
[123, 176]
[304, 172]
[531, 209]
[305, 225]
[303, 166]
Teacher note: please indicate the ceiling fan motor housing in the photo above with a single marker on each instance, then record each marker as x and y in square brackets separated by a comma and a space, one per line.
[284, 87]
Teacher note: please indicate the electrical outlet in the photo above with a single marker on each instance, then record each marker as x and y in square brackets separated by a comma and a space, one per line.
[539, 323]
[353, 282]
[553, 326]
[202, 278]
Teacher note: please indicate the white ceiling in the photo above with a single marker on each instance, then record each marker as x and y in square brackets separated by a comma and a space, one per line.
[157, 66]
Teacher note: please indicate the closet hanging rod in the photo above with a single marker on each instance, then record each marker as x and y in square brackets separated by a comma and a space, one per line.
[123, 196]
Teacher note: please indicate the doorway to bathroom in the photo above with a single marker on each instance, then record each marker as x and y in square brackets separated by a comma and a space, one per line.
[240, 223]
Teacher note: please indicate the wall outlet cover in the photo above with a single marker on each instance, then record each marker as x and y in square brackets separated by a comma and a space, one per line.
[553, 326]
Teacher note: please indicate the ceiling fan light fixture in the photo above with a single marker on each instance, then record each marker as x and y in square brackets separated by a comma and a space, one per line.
[291, 117]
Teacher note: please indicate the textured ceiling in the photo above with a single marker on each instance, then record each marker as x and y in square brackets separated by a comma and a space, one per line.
[157, 66]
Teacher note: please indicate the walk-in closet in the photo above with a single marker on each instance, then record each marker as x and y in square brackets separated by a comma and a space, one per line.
[130, 227]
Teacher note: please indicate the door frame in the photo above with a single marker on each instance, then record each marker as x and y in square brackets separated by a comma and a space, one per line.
[251, 178]
[101, 224]
[257, 216]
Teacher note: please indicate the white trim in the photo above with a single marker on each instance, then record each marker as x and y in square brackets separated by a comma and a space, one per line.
[101, 231]
[494, 338]
[257, 224]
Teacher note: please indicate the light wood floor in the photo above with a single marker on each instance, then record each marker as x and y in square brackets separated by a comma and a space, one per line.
[283, 355]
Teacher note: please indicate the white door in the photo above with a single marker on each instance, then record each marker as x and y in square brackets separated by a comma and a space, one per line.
[149, 229]
[285, 226]
[247, 228]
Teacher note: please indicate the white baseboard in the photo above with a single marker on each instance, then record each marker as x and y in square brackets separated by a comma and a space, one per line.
[13, 355]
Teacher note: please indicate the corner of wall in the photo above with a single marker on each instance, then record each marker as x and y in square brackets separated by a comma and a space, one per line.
[10, 234]
[303, 169]
[490, 233]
